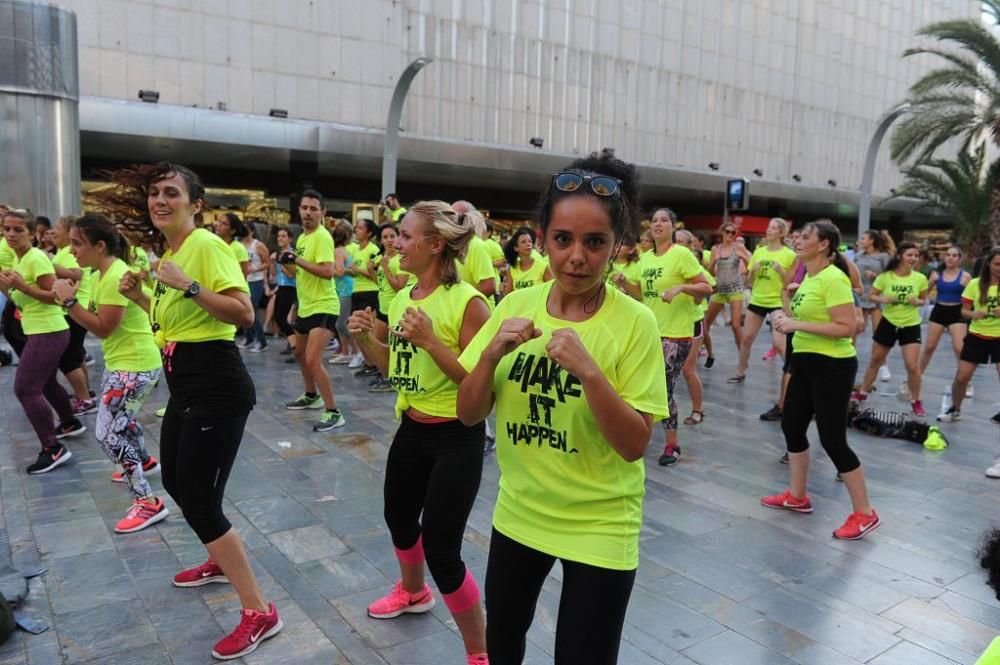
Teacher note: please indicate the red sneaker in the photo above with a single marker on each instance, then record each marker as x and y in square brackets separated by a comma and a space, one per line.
[149, 467]
[858, 525]
[206, 573]
[142, 514]
[254, 628]
[786, 501]
[918, 408]
[400, 601]
[477, 659]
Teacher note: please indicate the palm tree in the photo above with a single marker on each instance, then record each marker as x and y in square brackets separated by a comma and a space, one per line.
[964, 188]
[960, 100]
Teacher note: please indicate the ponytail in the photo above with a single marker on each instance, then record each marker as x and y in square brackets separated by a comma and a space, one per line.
[97, 228]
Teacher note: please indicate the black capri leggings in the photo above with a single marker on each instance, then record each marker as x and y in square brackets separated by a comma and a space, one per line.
[820, 386]
[434, 469]
[591, 607]
[283, 301]
[196, 455]
[74, 355]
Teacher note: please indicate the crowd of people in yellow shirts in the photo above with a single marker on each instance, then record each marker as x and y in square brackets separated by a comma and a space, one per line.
[574, 335]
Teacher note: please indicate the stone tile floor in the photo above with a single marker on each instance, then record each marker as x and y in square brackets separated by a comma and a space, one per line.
[723, 581]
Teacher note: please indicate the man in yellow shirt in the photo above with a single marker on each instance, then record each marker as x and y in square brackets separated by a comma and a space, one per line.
[393, 210]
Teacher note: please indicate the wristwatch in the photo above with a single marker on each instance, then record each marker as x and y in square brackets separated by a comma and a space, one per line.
[192, 290]
[68, 303]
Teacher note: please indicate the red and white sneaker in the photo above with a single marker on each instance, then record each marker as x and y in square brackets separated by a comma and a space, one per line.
[400, 601]
[858, 525]
[254, 628]
[149, 467]
[858, 396]
[918, 408]
[142, 514]
[785, 501]
[206, 573]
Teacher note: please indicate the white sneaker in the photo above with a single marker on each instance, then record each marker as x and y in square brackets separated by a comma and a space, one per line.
[970, 392]
[952, 415]
[903, 394]
[994, 469]
[883, 374]
[357, 361]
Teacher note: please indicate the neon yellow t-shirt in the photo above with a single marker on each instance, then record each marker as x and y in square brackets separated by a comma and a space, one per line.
[495, 252]
[698, 309]
[767, 283]
[900, 312]
[362, 258]
[992, 654]
[64, 259]
[397, 213]
[533, 276]
[317, 295]
[563, 488]
[706, 257]
[830, 287]
[239, 251]
[130, 348]
[477, 265]
[7, 255]
[990, 326]
[629, 270]
[386, 294]
[208, 260]
[418, 380]
[674, 267]
[36, 317]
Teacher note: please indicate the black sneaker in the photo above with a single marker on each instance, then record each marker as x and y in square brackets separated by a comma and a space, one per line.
[996, 418]
[366, 371]
[709, 362]
[670, 456]
[72, 428]
[287, 352]
[49, 459]
[290, 360]
[784, 459]
[772, 414]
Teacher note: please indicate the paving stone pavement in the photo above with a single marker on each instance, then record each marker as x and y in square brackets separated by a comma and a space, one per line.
[723, 581]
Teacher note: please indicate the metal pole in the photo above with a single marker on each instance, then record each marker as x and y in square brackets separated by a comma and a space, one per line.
[390, 153]
[865, 203]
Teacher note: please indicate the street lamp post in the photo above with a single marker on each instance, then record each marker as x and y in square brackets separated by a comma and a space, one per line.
[867, 178]
[390, 153]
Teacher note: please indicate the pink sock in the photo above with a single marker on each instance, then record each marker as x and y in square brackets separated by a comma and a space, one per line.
[413, 555]
[463, 598]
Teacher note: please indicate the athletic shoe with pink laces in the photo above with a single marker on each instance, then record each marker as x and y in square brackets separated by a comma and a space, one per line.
[858, 525]
[142, 514]
[785, 501]
[149, 467]
[477, 659]
[206, 573]
[918, 408]
[400, 601]
[254, 628]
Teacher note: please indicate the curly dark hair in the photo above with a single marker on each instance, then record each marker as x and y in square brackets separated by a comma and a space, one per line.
[622, 208]
[989, 559]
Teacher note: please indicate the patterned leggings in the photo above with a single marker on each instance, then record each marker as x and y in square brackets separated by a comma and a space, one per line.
[118, 431]
[675, 352]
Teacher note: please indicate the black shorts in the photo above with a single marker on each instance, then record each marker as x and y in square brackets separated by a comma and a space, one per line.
[303, 325]
[74, 355]
[946, 315]
[787, 367]
[360, 300]
[761, 311]
[980, 350]
[698, 329]
[887, 334]
[384, 318]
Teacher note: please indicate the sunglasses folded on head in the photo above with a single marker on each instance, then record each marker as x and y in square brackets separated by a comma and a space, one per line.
[602, 185]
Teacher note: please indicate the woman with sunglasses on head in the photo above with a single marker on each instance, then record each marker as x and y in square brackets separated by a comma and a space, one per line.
[981, 306]
[728, 264]
[28, 284]
[131, 361]
[576, 371]
[823, 369]
[950, 282]
[668, 272]
[201, 296]
[435, 462]
[769, 266]
[903, 291]
[527, 267]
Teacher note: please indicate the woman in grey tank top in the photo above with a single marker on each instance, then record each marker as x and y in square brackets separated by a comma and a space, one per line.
[728, 263]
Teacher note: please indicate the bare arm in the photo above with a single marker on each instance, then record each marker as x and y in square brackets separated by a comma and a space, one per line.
[231, 306]
[42, 292]
[626, 429]
[339, 262]
[842, 323]
[323, 270]
[487, 286]
[103, 323]
[417, 327]
[74, 274]
[371, 335]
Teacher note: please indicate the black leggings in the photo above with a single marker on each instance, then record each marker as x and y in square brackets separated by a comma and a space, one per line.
[74, 355]
[820, 386]
[196, 455]
[434, 469]
[591, 607]
[283, 301]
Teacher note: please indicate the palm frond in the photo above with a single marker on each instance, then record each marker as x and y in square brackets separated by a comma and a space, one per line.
[971, 35]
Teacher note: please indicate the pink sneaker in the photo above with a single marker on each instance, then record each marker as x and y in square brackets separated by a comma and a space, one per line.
[771, 353]
[206, 573]
[918, 408]
[786, 501]
[254, 628]
[858, 396]
[858, 525]
[400, 601]
[149, 468]
[142, 514]
[477, 659]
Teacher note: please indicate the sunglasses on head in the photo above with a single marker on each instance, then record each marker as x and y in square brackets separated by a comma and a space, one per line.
[602, 185]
